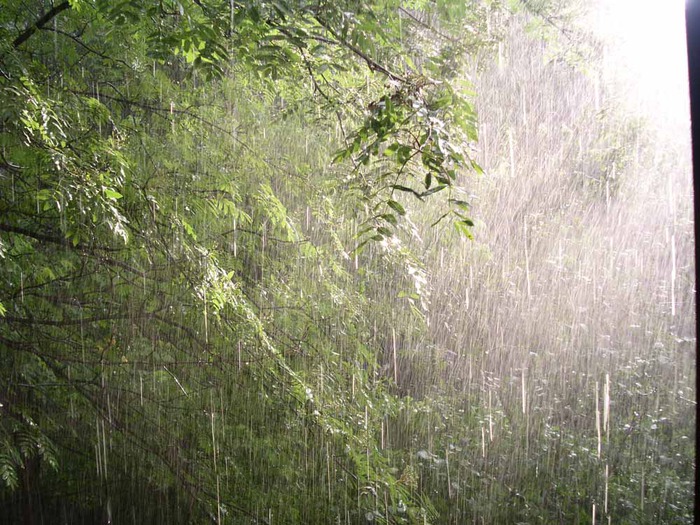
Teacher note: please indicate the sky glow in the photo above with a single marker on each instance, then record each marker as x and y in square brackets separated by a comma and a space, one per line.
[647, 55]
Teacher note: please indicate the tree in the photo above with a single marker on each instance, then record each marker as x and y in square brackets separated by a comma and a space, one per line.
[158, 326]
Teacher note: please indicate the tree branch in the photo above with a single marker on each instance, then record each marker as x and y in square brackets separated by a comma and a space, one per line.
[51, 239]
[71, 322]
[427, 26]
[34, 235]
[48, 16]
[85, 46]
[371, 63]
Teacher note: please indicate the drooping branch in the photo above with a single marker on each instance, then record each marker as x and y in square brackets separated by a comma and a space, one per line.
[51, 239]
[34, 235]
[70, 322]
[427, 26]
[48, 16]
[372, 64]
[86, 47]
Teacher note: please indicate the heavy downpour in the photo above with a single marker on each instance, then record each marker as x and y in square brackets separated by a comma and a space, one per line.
[346, 262]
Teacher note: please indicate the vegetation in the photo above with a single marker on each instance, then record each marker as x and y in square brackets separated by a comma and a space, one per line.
[242, 280]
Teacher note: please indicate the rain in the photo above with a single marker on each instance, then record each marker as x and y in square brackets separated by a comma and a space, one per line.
[402, 263]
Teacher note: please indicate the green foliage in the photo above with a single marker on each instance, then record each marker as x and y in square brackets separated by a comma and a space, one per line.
[175, 290]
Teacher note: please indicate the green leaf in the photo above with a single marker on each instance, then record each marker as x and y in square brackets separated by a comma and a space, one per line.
[8, 473]
[403, 154]
[442, 102]
[406, 189]
[390, 150]
[189, 229]
[112, 194]
[396, 206]
[434, 190]
[462, 204]
[363, 231]
[463, 227]
[360, 247]
[390, 218]
[43, 194]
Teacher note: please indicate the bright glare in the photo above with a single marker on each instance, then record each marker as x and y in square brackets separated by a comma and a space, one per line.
[647, 54]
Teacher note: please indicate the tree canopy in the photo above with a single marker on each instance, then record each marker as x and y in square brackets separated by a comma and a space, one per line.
[155, 288]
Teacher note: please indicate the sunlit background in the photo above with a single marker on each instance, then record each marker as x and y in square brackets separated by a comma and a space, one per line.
[646, 56]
